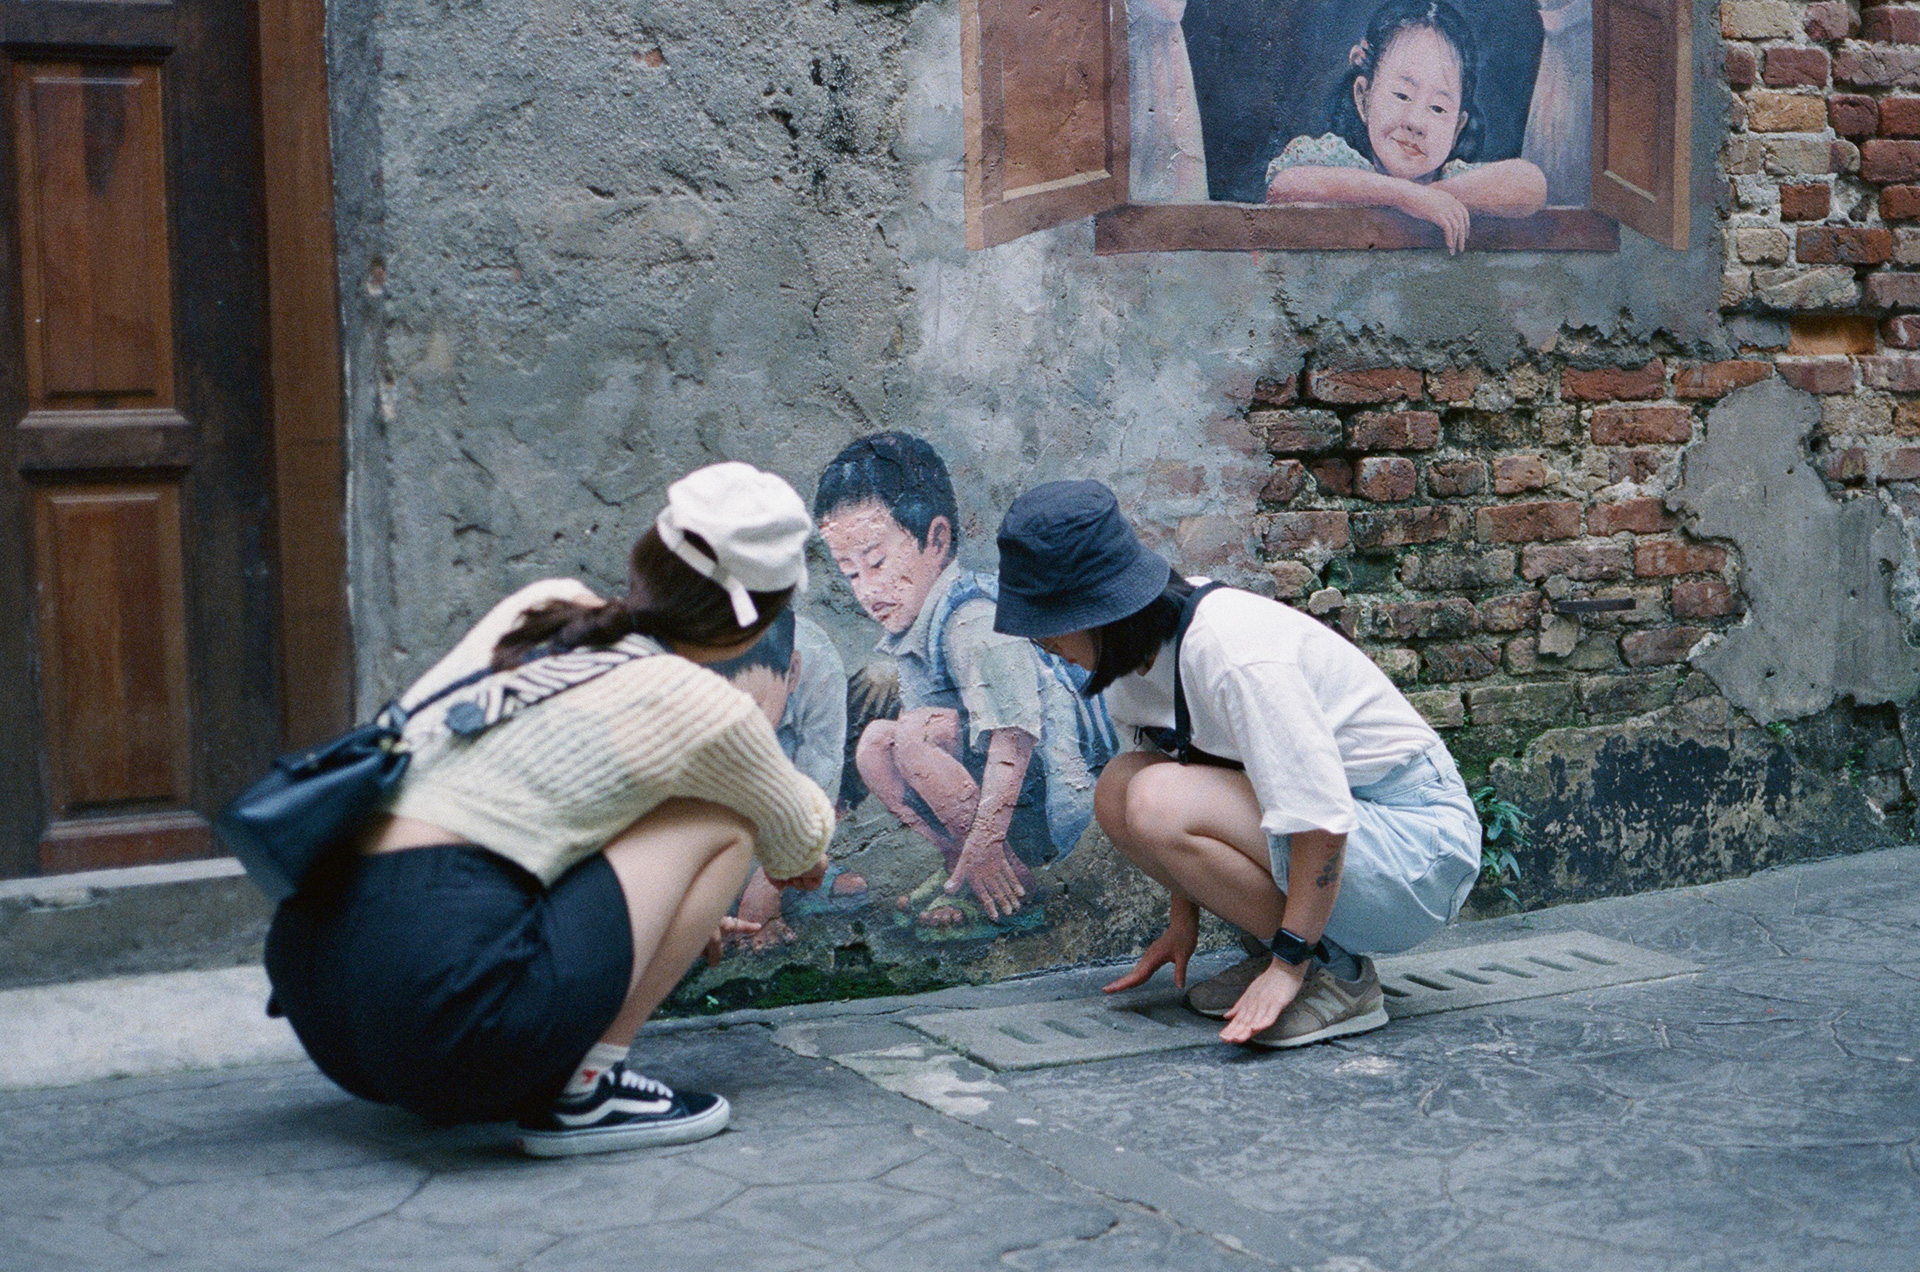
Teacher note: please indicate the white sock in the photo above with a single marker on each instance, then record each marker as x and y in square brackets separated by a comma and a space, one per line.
[600, 1057]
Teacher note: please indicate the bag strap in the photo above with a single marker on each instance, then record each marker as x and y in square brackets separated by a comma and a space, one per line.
[394, 717]
[541, 678]
[1182, 723]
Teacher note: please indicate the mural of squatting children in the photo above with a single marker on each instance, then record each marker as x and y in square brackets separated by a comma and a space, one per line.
[795, 674]
[1406, 126]
[994, 753]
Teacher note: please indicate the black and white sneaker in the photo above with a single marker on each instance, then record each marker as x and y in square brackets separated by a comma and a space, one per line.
[624, 1110]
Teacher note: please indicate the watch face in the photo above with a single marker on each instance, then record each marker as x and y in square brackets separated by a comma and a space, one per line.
[1289, 948]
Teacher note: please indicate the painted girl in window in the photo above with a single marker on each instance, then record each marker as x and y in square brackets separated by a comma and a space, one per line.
[1407, 129]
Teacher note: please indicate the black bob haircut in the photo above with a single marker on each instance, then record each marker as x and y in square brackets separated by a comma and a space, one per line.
[1126, 645]
[774, 651]
[899, 471]
[1390, 21]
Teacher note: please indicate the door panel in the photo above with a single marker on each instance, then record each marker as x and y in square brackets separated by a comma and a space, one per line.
[138, 443]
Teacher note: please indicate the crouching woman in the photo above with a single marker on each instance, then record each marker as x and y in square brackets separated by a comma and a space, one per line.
[537, 887]
[1281, 782]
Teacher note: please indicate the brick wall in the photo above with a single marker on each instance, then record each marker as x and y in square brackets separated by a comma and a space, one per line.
[1444, 518]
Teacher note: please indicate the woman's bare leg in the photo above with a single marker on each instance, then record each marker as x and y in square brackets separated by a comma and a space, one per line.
[680, 867]
[1196, 829]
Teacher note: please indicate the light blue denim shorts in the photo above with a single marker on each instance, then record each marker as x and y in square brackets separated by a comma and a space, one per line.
[1410, 862]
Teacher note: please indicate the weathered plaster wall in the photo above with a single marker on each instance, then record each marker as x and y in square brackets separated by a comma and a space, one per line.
[587, 246]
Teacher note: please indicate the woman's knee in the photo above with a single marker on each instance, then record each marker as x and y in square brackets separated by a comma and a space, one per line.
[1110, 793]
[1156, 809]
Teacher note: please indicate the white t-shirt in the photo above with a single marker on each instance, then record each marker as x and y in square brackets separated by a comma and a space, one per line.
[1309, 715]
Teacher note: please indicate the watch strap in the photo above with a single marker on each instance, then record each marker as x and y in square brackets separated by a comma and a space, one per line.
[1292, 949]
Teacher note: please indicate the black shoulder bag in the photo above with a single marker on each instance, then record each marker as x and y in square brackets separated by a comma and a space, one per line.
[312, 802]
[1178, 741]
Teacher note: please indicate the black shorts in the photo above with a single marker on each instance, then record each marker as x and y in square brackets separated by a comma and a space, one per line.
[447, 981]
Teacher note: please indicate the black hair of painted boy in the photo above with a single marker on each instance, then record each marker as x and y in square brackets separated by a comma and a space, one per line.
[1391, 20]
[899, 471]
[774, 651]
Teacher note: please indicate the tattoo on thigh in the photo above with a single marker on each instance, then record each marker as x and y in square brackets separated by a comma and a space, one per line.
[1330, 873]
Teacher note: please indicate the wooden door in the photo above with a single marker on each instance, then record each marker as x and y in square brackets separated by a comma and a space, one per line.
[139, 659]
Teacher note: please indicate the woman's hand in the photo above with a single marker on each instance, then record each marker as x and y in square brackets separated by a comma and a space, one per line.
[729, 926]
[1175, 945]
[1263, 1001]
[1445, 211]
[807, 881]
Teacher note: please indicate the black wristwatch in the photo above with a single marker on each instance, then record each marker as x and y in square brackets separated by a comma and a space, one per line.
[1292, 949]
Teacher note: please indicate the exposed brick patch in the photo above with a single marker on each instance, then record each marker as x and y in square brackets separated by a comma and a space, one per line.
[1900, 203]
[1633, 694]
[1378, 384]
[1613, 384]
[1828, 373]
[1847, 466]
[1458, 571]
[1333, 476]
[1276, 391]
[1843, 245]
[1443, 709]
[1853, 114]
[1900, 117]
[1633, 465]
[1885, 162]
[1902, 331]
[1460, 662]
[1829, 20]
[1449, 477]
[1549, 703]
[1638, 516]
[1394, 430]
[1863, 66]
[1661, 647]
[1509, 613]
[1743, 65]
[1639, 425]
[1292, 578]
[1659, 558]
[1581, 562]
[1399, 527]
[1796, 66]
[1285, 483]
[1297, 432]
[1802, 203]
[1900, 464]
[1301, 531]
[1703, 598]
[1454, 385]
[1529, 522]
[1769, 112]
[1404, 620]
[1893, 291]
[1757, 20]
[1387, 480]
[1716, 379]
[1894, 372]
[1890, 24]
[1513, 474]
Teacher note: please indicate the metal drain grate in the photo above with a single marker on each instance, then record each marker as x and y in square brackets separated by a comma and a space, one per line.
[1506, 971]
[1039, 1035]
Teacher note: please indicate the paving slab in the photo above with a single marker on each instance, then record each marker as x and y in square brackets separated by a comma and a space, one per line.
[1761, 1114]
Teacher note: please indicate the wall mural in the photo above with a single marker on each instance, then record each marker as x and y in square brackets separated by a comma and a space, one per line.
[978, 745]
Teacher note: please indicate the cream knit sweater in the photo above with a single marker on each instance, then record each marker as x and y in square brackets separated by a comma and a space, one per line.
[551, 785]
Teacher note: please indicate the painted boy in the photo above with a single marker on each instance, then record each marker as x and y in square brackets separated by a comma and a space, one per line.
[993, 755]
[795, 674]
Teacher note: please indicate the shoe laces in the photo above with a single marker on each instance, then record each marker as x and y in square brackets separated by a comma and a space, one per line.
[629, 1080]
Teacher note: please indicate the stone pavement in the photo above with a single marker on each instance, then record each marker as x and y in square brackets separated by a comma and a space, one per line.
[1763, 1114]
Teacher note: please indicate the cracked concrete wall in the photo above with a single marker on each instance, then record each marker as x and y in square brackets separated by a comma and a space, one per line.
[1818, 574]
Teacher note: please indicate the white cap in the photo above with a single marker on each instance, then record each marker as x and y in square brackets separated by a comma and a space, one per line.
[755, 523]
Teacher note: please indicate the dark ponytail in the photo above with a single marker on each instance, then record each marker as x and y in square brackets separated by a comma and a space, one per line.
[666, 599]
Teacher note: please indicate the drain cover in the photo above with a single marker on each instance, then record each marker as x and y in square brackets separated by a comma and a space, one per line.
[1531, 967]
[1037, 1035]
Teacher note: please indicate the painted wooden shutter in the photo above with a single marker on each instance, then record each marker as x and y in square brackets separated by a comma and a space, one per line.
[1045, 88]
[1643, 115]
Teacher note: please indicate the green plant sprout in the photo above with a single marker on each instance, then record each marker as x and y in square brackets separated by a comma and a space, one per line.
[1503, 827]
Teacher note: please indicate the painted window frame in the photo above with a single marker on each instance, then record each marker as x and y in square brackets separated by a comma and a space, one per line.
[1044, 89]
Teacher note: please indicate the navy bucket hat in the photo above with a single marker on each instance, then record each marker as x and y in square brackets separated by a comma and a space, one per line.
[1069, 562]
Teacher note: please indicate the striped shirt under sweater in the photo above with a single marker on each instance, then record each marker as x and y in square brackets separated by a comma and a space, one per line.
[548, 787]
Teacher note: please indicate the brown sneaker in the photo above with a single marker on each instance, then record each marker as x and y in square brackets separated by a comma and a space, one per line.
[1212, 996]
[1328, 1007]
